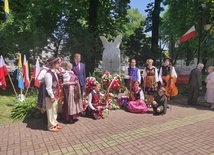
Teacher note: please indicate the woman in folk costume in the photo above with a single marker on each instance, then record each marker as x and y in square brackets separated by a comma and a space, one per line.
[132, 74]
[72, 106]
[209, 96]
[60, 72]
[150, 76]
[138, 105]
[52, 94]
[167, 78]
[95, 106]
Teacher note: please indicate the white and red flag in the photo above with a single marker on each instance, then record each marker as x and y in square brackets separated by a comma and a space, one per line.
[36, 72]
[26, 72]
[188, 35]
[3, 73]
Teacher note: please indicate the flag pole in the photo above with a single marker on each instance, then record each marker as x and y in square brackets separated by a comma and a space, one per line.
[28, 88]
[12, 85]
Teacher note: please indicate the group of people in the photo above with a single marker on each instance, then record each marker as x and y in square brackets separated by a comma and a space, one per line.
[158, 87]
[62, 87]
[195, 84]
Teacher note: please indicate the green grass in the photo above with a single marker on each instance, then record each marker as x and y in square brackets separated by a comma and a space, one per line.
[8, 102]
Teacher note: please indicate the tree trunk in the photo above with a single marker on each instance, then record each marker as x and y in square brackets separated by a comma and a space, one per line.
[155, 31]
[92, 21]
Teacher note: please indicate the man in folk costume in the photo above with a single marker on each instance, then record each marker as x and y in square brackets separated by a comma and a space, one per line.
[79, 71]
[52, 94]
[167, 77]
[132, 74]
[41, 103]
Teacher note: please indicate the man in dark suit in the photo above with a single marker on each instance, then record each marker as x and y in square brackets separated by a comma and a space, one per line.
[79, 71]
[195, 84]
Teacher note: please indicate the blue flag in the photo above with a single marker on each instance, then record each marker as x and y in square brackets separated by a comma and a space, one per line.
[19, 75]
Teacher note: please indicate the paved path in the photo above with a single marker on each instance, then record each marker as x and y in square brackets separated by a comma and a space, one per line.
[185, 130]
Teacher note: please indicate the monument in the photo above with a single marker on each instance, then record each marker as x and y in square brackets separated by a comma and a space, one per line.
[111, 55]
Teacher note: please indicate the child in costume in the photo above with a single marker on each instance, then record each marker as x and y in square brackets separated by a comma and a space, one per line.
[95, 106]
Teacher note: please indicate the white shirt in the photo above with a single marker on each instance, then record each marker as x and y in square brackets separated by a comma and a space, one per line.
[142, 95]
[210, 80]
[156, 74]
[41, 76]
[49, 82]
[90, 99]
[173, 74]
[126, 74]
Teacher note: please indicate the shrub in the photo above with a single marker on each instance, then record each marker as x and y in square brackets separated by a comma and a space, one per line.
[25, 110]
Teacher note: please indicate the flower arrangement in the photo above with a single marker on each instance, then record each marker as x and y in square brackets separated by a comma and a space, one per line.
[106, 78]
[90, 83]
[115, 84]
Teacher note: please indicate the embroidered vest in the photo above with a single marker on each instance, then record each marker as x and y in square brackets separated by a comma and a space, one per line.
[95, 98]
[166, 70]
[133, 72]
[55, 85]
[137, 94]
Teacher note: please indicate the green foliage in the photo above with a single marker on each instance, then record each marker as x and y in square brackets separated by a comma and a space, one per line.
[25, 110]
[180, 16]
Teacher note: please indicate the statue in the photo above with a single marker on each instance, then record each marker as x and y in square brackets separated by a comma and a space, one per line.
[111, 55]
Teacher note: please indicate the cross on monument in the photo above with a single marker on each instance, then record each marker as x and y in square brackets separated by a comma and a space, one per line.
[111, 63]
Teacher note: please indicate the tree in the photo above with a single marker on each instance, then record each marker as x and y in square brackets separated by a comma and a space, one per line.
[152, 24]
[90, 20]
[177, 21]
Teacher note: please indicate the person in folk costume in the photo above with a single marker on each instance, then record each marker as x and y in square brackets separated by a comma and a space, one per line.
[60, 72]
[165, 70]
[159, 104]
[72, 106]
[150, 76]
[79, 71]
[138, 105]
[41, 104]
[195, 84]
[95, 107]
[132, 74]
[209, 96]
[52, 94]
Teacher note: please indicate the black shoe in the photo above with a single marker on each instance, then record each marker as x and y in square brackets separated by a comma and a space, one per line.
[155, 114]
[75, 120]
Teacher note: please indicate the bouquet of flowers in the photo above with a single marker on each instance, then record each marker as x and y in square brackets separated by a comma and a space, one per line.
[90, 83]
[106, 78]
[115, 84]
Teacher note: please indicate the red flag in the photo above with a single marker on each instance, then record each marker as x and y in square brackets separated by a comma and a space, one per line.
[36, 71]
[26, 72]
[188, 35]
[3, 73]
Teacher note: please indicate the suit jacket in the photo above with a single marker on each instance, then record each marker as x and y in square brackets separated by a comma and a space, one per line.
[81, 75]
[195, 78]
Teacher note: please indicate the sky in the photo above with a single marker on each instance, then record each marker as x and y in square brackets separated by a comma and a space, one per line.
[140, 5]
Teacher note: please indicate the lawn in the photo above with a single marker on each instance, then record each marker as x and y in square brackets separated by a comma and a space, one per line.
[8, 102]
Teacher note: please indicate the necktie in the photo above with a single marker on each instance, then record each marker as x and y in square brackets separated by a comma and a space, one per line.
[78, 68]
